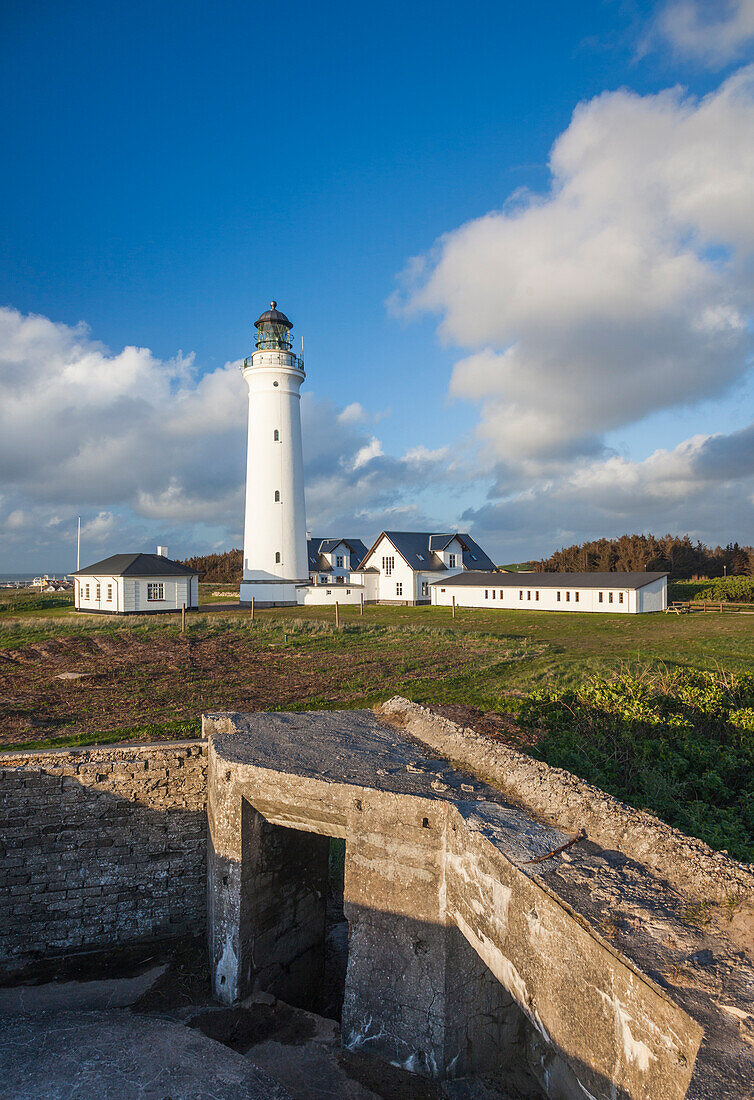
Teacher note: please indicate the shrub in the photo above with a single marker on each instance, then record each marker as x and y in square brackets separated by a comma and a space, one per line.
[729, 588]
[679, 744]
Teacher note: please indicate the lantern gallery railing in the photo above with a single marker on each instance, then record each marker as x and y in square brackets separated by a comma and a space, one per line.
[283, 360]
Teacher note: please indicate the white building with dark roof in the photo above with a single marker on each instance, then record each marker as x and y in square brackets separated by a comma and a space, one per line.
[136, 584]
[621, 593]
[401, 566]
[331, 561]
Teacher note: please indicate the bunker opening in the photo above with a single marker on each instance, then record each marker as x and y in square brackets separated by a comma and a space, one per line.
[293, 931]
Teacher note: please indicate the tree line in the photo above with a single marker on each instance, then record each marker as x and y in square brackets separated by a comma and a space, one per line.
[637, 553]
[224, 568]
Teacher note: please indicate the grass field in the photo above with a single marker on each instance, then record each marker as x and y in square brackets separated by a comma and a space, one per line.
[140, 672]
[543, 681]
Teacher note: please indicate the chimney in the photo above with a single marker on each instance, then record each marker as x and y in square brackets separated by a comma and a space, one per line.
[162, 551]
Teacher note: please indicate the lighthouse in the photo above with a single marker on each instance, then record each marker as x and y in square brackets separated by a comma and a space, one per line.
[274, 546]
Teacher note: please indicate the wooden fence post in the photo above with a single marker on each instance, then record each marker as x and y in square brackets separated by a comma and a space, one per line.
[337, 615]
[454, 606]
[252, 609]
[183, 618]
[361, 601]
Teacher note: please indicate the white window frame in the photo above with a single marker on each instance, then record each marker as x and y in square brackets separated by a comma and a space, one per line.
[388, 565]
[399, 588]
[425, 588]
[451, 561]
[339, 561]
[157, 596]
[109, 596]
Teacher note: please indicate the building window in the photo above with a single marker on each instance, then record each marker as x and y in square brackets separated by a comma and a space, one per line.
[276, 436]
[568, 597]
[399, 588]
[420, 557]
[277, 496]
[609, 597]
[341, 580]
[425, 588]
[493, 593]
[109, 593]
[86, 591]
[329, 591]
[520, 593]
[339, 562]
[155, 591]
[388, 564]
[348, 591]
[576, 597]
[501, 593]
[620, 597]
[559, 595]
[486, 594]
[528, 593]
[323, 580]
[600, 596]
[452, 561]
[442, 589]
[98, 591]
[536, 595]
[277, 557]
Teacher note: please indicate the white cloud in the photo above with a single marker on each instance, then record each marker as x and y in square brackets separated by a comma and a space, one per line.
[372, 449]
[714, 32]
[352, 414]
[146, 451]
[626, 289]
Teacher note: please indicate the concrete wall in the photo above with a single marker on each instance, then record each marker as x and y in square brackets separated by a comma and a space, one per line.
[461, 960]
[330, 594]
[100, 848]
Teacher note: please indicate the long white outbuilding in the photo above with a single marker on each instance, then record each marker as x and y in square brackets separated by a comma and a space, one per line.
[610, 593]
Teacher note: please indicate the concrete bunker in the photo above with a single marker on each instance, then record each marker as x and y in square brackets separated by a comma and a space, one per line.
[461, 961]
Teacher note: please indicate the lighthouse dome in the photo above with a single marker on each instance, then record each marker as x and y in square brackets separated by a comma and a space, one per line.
[273, 316]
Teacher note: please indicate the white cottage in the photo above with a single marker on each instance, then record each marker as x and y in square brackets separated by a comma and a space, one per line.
[331, 561]
[401, 566]
[610, 593]
[129, 584]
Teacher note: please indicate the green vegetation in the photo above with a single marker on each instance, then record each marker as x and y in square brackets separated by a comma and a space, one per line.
[656, 709]
[152, 731]
[733, 589]
[22, 601]
[635, 553]
[678, 743]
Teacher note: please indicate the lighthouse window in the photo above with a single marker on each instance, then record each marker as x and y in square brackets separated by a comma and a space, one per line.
[276, 436]
[277, 558]
[277, 496]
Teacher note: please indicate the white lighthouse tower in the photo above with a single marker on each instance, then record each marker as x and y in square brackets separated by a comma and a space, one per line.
[274, 546]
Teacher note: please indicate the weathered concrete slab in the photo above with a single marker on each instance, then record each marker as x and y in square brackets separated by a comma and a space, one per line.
[119, 1056]
[78, 996]
[462, 958]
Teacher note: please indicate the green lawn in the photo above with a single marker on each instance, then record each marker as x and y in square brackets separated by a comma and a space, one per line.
[144, 680]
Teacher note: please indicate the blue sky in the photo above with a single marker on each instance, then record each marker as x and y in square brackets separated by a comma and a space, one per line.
[170, 167]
